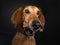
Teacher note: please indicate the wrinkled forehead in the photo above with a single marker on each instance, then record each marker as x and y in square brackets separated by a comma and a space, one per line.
[32, 8]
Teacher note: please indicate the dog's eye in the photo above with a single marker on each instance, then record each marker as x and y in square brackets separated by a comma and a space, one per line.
[38, 12]
[27, 11]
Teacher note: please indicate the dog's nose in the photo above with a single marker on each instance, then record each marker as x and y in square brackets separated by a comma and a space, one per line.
[35, 24]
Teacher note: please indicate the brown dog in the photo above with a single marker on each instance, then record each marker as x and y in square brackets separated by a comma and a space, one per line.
[27, 20]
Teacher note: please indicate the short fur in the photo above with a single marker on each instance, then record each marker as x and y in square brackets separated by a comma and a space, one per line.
[19, 17]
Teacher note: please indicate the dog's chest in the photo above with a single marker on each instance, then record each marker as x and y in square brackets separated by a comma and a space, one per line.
[29, 41]
[20, 39]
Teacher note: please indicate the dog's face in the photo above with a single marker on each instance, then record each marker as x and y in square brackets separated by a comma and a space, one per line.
[31, 18]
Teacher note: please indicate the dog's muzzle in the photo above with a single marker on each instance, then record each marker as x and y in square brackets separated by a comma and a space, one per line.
[35, 26]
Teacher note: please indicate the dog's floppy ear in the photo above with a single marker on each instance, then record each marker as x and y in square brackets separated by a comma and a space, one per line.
[17, 17]
[42, 20]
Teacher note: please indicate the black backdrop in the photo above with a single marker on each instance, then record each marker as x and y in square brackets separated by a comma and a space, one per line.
[50, 10]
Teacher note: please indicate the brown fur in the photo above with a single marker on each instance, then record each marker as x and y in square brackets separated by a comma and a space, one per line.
[18, 17]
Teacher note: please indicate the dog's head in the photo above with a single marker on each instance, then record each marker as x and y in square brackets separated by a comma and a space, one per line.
[30, 18]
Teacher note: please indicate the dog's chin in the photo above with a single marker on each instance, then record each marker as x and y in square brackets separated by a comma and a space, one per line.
[28, 32]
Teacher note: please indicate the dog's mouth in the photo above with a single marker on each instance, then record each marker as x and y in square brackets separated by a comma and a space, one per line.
[28, 31]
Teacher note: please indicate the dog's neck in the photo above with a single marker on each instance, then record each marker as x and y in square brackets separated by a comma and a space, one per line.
[23, 35]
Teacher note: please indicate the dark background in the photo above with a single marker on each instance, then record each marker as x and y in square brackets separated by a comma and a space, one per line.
[50, 36]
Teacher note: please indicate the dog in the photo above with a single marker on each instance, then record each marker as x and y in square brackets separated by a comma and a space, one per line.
[27, 20]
